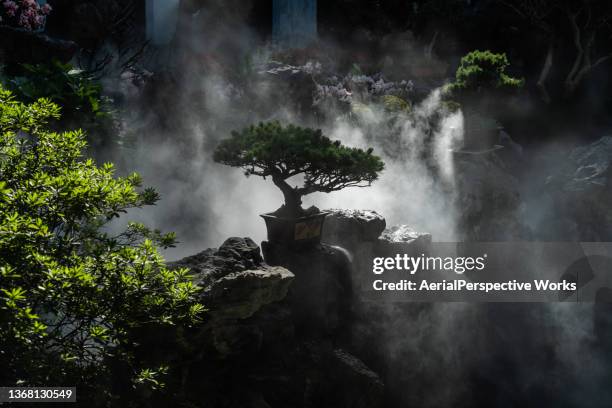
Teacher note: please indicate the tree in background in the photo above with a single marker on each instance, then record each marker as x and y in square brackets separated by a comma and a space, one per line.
[583, 26]
[282, 152]
[79, 94]
[71, 295]
[481, 74]
[482, 86]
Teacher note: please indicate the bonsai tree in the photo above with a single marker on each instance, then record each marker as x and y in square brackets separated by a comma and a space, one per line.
[281, 152]
[482, 74]
[481, 85]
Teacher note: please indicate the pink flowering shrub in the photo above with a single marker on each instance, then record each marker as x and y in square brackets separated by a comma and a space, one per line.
[27, 14]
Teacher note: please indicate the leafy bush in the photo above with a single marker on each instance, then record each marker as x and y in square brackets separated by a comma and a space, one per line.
[74, 89]
[281, 152]
[71, 295]
[395, 104]
[78, 93]
[482, 71]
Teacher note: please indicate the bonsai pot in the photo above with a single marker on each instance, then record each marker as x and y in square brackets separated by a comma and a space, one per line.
[301, 231]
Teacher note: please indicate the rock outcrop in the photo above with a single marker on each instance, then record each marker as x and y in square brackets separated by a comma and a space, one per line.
[237, 284]
[582, 194]
[488, 199]
[252, 350]
[353, 225]
[363, 234]
[322, 295]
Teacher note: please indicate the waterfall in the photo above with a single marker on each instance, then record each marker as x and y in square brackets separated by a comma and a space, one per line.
[162, 17]
[294, 22]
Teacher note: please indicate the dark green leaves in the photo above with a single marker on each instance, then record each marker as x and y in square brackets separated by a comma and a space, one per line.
[484, 69]
[270, 149]
[70, 294]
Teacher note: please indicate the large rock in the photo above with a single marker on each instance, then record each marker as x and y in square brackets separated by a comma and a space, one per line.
[247, 353]
[356, 225]
[362, 233]
[237, 284]
[403, 234]
[590, 170]
[321, 295]
[487, 199]
[582, 194]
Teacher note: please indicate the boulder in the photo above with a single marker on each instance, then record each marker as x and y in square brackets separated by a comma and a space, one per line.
[590, 170]
[357, 225]
[237, 285]
[235, 255]
[252, 349]
[581, 194]
[403, 234]
[487, 199]
[321, 295]
[239, 295]
[362, 233]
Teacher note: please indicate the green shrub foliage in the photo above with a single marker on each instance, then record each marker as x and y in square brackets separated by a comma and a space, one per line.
[76, 91]
[483, 71]
[281, 152]
[71, 295]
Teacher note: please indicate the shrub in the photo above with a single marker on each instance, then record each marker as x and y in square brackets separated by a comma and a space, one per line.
[79, 94]
[482, 71]
[71, 295]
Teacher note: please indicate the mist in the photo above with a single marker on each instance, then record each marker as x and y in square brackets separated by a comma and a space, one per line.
[463, 348]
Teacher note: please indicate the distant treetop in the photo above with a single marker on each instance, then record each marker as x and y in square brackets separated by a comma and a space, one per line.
[484, 71]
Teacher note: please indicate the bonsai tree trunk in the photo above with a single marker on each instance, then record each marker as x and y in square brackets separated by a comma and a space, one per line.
[293, 200]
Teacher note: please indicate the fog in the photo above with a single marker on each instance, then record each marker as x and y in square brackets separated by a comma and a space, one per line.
[500, 351]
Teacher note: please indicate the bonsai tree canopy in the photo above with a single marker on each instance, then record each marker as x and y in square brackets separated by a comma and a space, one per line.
[481, 74]
[281, 152]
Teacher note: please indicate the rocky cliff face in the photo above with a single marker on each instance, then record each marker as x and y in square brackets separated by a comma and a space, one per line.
[364, 235]
[378, 329]
[253, 351]
[488, 199]
[568, 192]
[582, 191]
